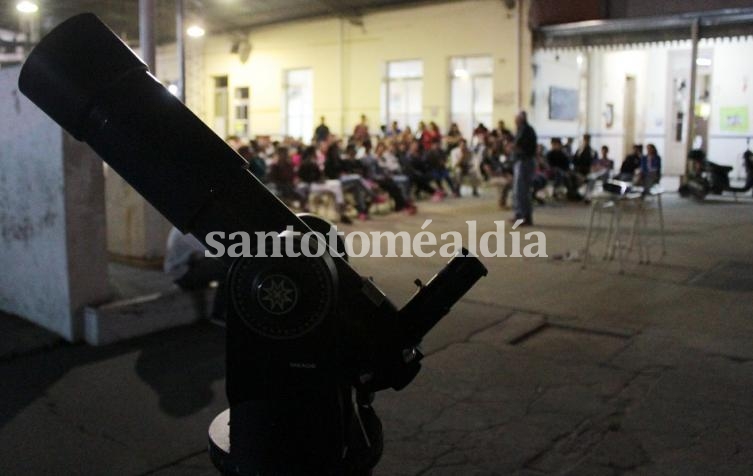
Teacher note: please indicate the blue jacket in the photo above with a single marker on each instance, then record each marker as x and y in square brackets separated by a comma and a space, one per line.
[654, 166]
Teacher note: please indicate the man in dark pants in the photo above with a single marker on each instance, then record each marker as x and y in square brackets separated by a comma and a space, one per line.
[524, 154]
[748, 161]
[631, 164]
[186, 264]
[584, 158]
[321, 133]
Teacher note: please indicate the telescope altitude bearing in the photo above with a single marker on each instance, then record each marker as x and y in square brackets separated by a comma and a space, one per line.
[281, 297]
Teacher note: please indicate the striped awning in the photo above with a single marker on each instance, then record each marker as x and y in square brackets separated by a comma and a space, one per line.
[635, 31]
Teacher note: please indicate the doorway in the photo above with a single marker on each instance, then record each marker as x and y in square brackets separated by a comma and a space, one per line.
[220, 111]
[629, 115]
[702, 101]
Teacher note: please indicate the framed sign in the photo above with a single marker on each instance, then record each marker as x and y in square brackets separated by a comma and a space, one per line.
[733, 119]
[563, 104]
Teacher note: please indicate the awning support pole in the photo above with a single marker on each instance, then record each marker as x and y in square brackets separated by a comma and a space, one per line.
[181, 49]
[147, 14]
[694, 34]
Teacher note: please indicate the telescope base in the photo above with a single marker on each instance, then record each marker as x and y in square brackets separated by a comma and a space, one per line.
[219, 446]
[227, 465]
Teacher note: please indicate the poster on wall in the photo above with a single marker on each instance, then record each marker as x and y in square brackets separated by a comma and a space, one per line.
[733, 119]
[563, 104]
[609, 115]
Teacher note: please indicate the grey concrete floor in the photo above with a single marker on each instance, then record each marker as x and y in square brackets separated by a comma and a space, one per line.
[544, 368]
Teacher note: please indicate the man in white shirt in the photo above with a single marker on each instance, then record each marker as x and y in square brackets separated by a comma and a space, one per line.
[186, 264]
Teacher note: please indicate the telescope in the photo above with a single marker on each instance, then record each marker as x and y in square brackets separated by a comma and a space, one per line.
[309, 340]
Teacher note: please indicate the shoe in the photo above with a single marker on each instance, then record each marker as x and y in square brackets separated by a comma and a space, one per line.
[411, 210]
[437, 197]
[363, 216]
[216, 319]
[525, 222]
[345, 220]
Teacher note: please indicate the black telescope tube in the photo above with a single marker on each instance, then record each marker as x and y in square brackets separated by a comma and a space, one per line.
[433, 301]
[86, 79]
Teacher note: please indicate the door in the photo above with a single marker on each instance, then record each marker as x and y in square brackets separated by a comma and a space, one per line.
[629, 115]
[220, 119]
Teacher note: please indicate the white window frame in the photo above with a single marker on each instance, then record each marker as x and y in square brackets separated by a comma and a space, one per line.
[471, 78]
[388, 82]
[307, 115]
[241, 125]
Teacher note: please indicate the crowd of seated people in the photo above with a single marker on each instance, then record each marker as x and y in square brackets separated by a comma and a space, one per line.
[403, 167]
[395, 165]
[578, 173]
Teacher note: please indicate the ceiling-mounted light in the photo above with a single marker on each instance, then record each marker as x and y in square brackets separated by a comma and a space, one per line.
[25, 6]
[703, 61]
[195, 31]
[461, 73]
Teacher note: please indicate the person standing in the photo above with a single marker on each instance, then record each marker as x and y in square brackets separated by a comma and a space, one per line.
[748, 163]
[524, 153]
[321, 134]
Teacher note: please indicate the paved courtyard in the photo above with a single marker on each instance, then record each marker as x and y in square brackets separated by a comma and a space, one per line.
[544, 368]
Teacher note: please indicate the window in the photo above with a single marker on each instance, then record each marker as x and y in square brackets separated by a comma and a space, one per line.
[402, 92]
[299, 103]
[471, 96]
[240, 112]
[219, 121]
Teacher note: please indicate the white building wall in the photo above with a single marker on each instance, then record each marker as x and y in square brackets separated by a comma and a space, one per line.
[348, 62]
[732, 86]
[616, 67]
[654, 106]
[554, 68]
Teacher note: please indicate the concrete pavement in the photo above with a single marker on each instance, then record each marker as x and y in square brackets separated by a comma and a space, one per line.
[544, 368]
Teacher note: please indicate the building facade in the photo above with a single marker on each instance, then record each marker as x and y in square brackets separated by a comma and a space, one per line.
[671, 73]
[464, 62]
[640, 94]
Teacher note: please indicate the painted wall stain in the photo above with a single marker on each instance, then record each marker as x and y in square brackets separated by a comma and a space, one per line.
[15, 228]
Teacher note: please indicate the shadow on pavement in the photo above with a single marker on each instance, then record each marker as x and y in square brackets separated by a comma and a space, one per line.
[179, 365]
[182, 373]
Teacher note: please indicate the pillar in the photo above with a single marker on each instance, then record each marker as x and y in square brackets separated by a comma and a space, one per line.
[52, 218]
